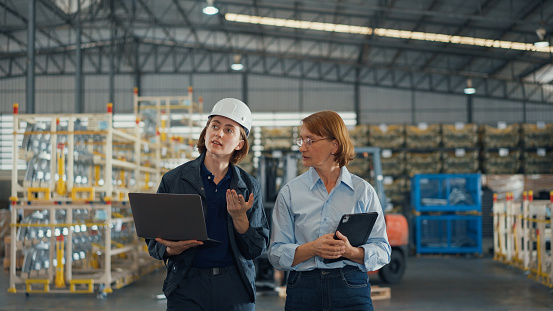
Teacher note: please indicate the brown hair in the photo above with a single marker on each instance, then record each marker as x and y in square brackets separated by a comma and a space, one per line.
[330, 124]
[237, 156]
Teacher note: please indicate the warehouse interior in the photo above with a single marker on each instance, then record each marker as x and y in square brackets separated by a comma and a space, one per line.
[449, 105]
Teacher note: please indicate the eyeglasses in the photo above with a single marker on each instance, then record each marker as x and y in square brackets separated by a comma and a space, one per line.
[308, 141]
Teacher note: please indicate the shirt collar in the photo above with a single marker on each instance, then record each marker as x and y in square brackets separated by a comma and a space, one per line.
[204, 172]
[345, 177]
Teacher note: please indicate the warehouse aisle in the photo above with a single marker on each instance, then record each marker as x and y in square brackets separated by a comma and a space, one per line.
[430, 283]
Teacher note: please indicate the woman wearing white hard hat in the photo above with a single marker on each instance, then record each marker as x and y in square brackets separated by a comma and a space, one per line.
[218, 277]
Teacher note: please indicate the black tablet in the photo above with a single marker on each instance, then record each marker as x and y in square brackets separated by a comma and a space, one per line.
[357, 228]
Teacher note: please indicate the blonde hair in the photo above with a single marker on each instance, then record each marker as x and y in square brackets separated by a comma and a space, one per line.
[237, 156]
[330, 124]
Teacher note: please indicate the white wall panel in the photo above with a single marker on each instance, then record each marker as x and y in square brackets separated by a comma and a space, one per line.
[270, 94]
[12, 91]
[319, 96]
[165, 85]
[55, 94]
[440, 108]
[216, 87]
[536, 112]
[384, 105]
[490, 111]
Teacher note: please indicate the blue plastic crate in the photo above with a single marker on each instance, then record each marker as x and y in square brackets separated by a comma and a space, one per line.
[448, 234]
[446, 192]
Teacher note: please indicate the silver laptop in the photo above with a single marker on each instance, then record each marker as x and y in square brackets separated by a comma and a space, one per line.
[173, 217]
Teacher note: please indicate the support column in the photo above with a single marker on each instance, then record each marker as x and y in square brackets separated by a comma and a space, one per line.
[79, 64]
[245, 88]
[469, 108]
[357, 97]
[30, 85]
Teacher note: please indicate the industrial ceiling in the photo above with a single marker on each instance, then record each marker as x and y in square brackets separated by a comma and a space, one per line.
[422, 45]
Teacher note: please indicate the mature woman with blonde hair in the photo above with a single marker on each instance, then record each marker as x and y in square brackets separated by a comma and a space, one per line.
[220, 277]
[306, 214]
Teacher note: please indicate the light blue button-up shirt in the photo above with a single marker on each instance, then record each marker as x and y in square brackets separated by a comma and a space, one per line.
[304, 211]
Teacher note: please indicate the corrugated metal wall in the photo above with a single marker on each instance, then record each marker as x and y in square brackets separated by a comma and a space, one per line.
[55, 94]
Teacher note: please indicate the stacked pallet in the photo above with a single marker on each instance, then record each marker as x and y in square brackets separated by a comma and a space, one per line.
[460, 161]
[423, 136]
[387, 136]
[278, 138]
[360, 135]
[393, 163]
[460, 135]
[500, 149]
[423, 162]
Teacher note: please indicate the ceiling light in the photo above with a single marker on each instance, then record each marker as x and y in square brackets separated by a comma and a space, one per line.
[237, 65]
[469, 90]
[542, 42]
[382, 32]
[210, 9]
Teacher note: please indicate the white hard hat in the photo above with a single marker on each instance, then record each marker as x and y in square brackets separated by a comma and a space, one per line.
[235, 110]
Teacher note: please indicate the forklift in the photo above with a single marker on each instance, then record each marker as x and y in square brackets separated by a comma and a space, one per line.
[275, 170]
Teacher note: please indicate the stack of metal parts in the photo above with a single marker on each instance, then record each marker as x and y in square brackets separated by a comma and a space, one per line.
[360, 135]
[5, 217]
[393, 164]
[459, 163]
[423, 137]
[423, 163]
[501, 162]
[460, 135]
[508, 137]
[36, 149]
[36, 240]
[538, 136]
[387, 136]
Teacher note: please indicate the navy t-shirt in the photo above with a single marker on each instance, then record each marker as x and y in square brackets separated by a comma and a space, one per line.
[216, 223]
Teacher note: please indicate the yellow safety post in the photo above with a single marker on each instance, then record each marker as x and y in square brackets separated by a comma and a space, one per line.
[61, 169]
[146, 180]
[122, 177]
[97, 175]
[163, 123]
[59, 280]
[36, 190]
[88, 190]
[86, 282]
[44, 282]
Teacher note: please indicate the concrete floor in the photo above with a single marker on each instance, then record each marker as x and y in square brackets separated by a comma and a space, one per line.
[430, 283]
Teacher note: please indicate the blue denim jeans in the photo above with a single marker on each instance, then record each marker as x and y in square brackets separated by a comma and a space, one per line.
[329, 289]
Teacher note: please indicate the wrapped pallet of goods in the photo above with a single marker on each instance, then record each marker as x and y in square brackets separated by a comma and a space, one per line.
[397, 190]
[278, 138]
[539, 162]
[423, 136]
[460, 135]
[537, 135]
[360, 135]
[504, 136]
[423, 163]
[460, 161]
[502, 161]
[360, 166]
[387, 136]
